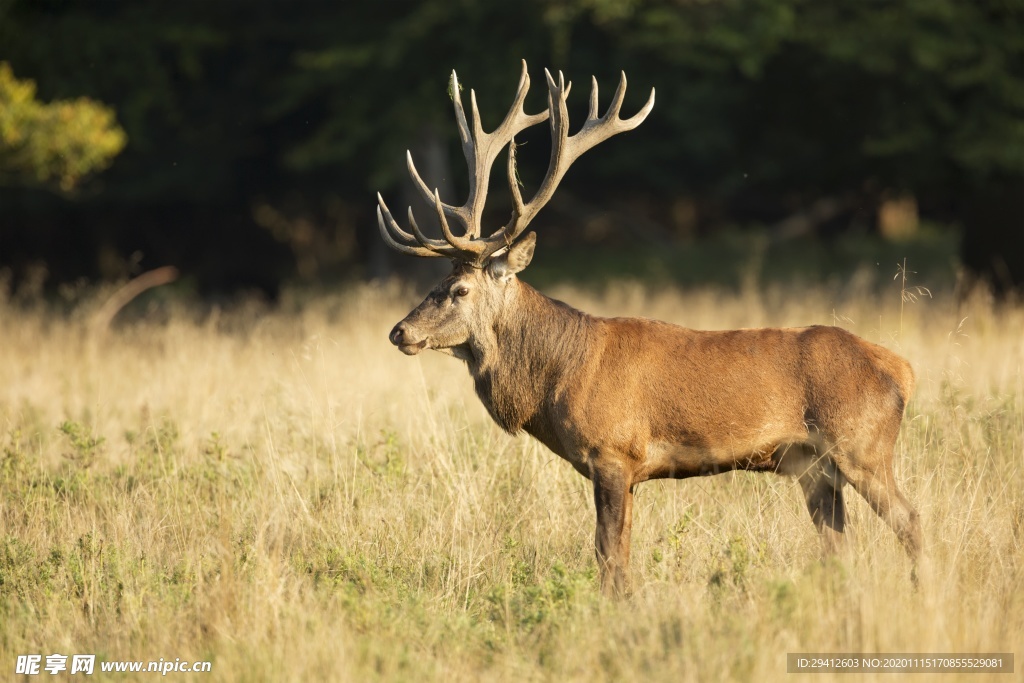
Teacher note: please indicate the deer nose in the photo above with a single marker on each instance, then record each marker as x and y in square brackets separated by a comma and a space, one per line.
[397, 335]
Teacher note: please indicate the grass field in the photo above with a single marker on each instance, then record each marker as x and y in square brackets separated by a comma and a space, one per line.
[283, 494]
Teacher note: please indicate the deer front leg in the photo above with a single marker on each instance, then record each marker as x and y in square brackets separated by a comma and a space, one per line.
[613, 498]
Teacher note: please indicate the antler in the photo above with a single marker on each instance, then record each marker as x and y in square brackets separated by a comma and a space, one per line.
[482, 148]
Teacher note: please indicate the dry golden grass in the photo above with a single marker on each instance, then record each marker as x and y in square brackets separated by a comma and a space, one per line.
[285, 495]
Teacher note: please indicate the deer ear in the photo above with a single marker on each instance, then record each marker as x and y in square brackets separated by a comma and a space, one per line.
[515, 259]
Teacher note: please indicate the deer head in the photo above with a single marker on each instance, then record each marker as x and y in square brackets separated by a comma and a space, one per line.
[482, 282]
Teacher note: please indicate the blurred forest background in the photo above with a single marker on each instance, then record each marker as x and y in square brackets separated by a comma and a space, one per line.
[244, 142]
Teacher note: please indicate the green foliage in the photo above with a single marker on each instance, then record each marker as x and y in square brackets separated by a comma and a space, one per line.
[822, 96]
[382, 457]
[59, 143]
[82, 440]
[732, 566]
[12, 456]
[529, 605]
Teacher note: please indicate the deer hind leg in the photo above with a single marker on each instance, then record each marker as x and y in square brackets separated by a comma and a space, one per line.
[878, 487]
[822, 485]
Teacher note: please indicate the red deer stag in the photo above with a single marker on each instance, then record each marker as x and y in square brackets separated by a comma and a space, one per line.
[625, 400]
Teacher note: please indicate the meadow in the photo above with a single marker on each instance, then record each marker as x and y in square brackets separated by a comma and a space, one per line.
[278, 491]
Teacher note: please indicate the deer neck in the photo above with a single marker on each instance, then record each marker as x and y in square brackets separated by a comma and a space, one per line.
[531, 349]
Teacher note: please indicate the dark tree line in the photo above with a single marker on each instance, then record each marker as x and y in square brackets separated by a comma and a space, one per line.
[258, 132]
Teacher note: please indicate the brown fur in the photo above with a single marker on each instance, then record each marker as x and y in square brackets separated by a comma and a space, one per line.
[625, 400]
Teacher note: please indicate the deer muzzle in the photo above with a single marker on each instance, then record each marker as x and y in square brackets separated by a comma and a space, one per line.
[403, 337]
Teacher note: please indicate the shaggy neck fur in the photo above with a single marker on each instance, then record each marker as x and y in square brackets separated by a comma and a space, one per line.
[532, 350]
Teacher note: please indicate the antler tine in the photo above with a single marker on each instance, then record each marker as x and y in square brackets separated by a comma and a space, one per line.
[440, 246]
[517, 120]
[478, 129]
[517, 103]
[639, 117]
[513, 183]
[557, 95]
[403, 241]
[392, 223]
[415, 175]
[460, 113]
[592, 112]
[386, 226]
[462, 244]
[597, 130]
[620, 93]
[616, 106]
[427, 193]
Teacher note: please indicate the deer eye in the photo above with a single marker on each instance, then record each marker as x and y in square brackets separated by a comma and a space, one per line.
[461, 291]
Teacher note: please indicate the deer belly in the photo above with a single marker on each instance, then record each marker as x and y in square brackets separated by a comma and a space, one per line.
[678, 460]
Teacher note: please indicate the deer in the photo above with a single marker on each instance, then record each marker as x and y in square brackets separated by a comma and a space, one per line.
[627, 400]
